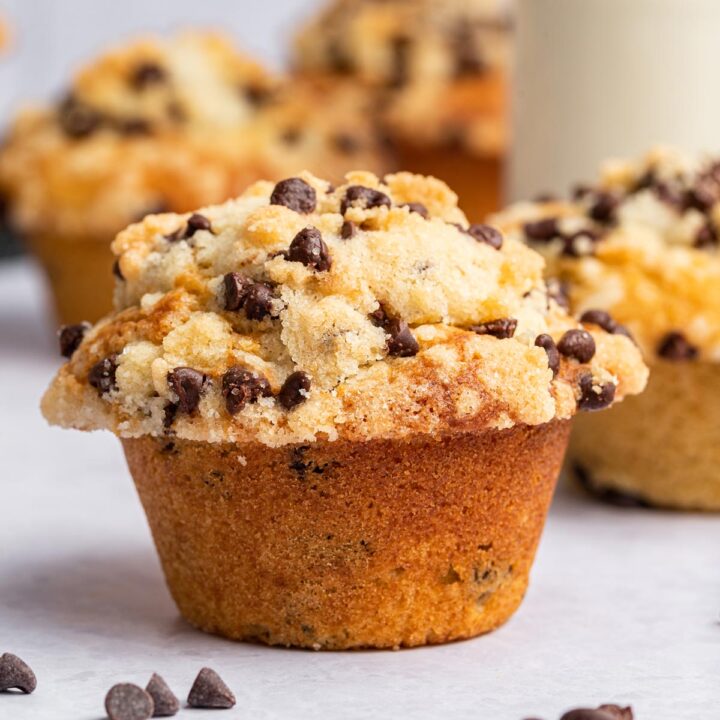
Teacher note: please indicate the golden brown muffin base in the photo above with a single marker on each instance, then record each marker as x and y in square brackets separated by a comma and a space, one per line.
[660, 448]
[79, 271]
[346, 544]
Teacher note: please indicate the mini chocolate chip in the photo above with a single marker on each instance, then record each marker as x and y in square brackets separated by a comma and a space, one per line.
[16, 674]
[295, 194]
[147, 74]
[210, 691]
[294, 390]
[236, 288]
[169, 414]
[502, 328]
[347, 144]
[78, 120]
[486, 234]
[676, 347]
[102, 374]
[128, 702]
[188, 385]
[701, 197]
[258, 301]
[546, 342]
[586, 714]
[241, 387]
[416, 207]
[400, 47]
[310, 249]
[117, 272]
[164, 700]
[594, 396]
[70, 336]
[197, 222]
[706, 236]
[578, 344]
[363, 197]
[402, 342]
[601, 318]
[542, 230]
[348, 230]
[603, 207]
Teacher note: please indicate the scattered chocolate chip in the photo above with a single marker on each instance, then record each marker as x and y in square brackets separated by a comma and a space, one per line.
[542, 230]
[102, 374]
[164, 700]
[363, 197]
[241, 387]
[348, 230]
[147, 74]
[70, 336]
[295, 194]
[617, 712]
[78, 120]
[310, 249]
[258, 301]
[502, 328]
[586, 714]
[347, 144]
[594, 396]
[676, 347]
[611, 496]
[16, 674]
[400, 47]
[188, 385]
[578, 344]
[402, 342]
[546, 342]
[294, 390]
[558, 291]
[236, 288]
[706, 237]
[126, 701]
[601, 318]
[416, 207]
[603, 207]
[117, 272]
[486, 234]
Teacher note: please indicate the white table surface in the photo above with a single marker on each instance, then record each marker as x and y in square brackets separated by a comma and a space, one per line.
[623, 604]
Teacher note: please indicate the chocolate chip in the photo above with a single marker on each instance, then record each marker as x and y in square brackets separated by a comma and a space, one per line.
[348, 230]
[603, 207]
[416, 207]
[128, 702]
[16, 674]
[363, 197]
[617, 712]
[701, 197]
[486, 234]
[578, 344]
[586, 714]
[209, 691]
[347, 144]
[339, 58]
[676, 347]
[133, 126]
[558, 291]
[546, 342]
[116, 271]
[169, 414]
[188, 385]
[78, 120]
[194, 223]
[379, 317]
[241, 387]
[295, 194]
[599, 317]
[400, 47]
[402, 342]
[310, 249]
[236, 288]
[147, 74]
[542, 230]
[257, 95]
[502, 328]
[706, 237]
[594, 396]
[294, 390]
[102, 374]
[259, 301]
[611, 496]
[579, 243]
[70, 336]
[164, 700]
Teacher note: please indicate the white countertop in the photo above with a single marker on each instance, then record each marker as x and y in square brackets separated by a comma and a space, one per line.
[623, 605]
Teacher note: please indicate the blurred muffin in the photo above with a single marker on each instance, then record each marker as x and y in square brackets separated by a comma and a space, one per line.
[158, 125]
[639, 254]
[437, 73]
[344, 409]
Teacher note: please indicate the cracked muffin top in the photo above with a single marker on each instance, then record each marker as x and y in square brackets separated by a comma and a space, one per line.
[166, 124]
[641, 244]
[303, 311]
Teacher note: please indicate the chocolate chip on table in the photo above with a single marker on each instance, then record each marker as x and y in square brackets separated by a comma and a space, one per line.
[486, 234]
[542, 230]
[102, 374]
[146, 74]
[416, 207]
[402, 342]
[70, 337]
[188, 385]
[236, 287]
[164, 700]
[258, 301]
[16, 674]
[363, 197]
[618, 712]
[310, 249]
[348, 230]
[126, 701]
[502, 328]
[210, 691]
[77, 119]
[294, 390]
[676, 347]
[546, 342]
[587, 714]
[241, 387]
[595, 396]
[295, 194]
[577, 344]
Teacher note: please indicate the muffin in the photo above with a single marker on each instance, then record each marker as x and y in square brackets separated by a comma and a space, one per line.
[437, 76]
[344, 408]
[638, 253]
[162, 124]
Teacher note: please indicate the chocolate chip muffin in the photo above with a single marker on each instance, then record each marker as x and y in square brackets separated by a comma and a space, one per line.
[437, 73]
[161, 124]
[639, 255]
[344, 408]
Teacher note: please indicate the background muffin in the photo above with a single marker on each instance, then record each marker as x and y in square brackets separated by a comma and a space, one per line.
[643, 245]
[289, 374]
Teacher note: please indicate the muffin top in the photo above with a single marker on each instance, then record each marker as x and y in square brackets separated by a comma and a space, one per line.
[303, 312]
[642, 244]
